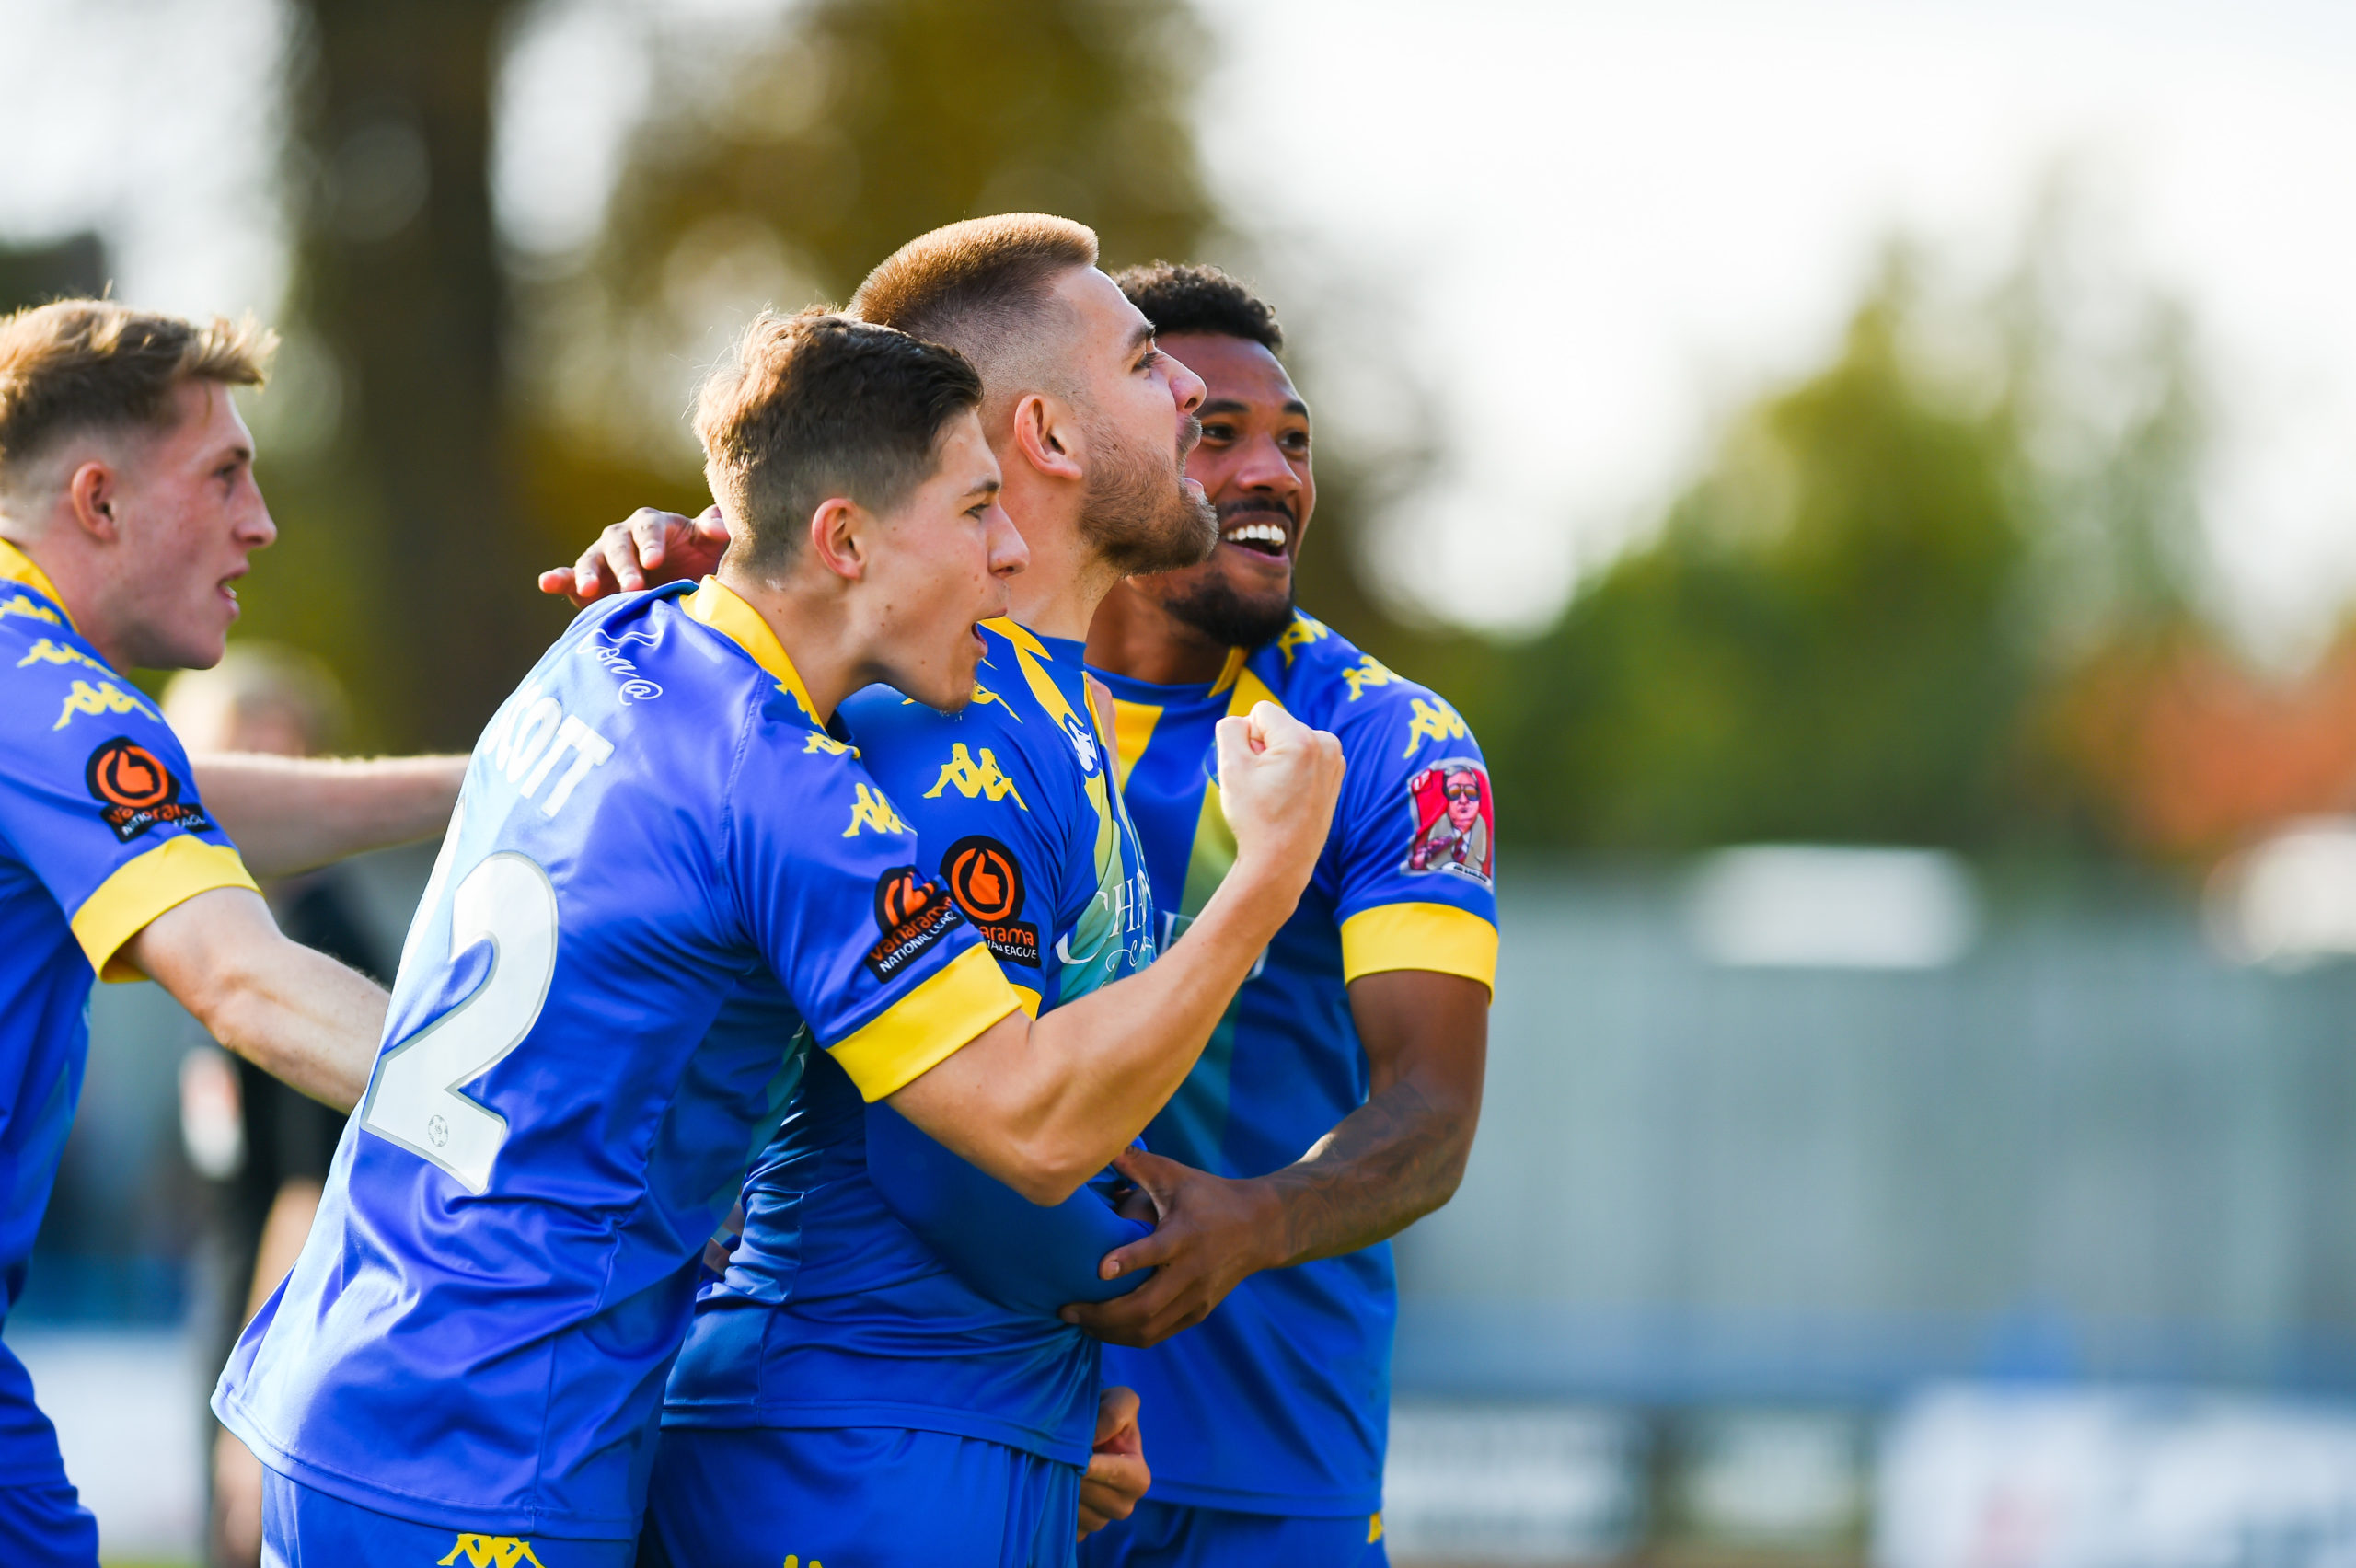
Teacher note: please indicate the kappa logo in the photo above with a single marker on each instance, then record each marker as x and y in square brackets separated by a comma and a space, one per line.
[48, 653]
[27, 605]
[873, 810]
[1304, 630]
[912, 914]
[1433, 721]
[985, 883]
[974, 779]
[99, 699]
[137, 791]
[821, 741]
[1367, 671]
[490, 1551]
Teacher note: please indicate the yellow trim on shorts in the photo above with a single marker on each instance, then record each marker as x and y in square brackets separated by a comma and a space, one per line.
[1437, 936]
[929, 1025]
[164, 878]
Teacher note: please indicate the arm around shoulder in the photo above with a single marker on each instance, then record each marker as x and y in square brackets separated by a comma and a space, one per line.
[289, 815]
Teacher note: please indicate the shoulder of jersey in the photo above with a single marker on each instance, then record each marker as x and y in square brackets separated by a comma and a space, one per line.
[52, 676]
[1325, 679]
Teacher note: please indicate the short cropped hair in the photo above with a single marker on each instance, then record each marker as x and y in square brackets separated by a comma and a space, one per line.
[78, 366]
[1192, 298]
[815, 405]
[983, 286]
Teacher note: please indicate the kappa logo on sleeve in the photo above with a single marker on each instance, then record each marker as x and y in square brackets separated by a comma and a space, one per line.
[137, 791]
[490, 1551]
[913, 915]
[985, 883]
[1455, 824]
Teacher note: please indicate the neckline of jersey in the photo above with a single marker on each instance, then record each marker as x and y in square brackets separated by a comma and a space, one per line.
[720, 607]
[16, 566]
[1131, 689]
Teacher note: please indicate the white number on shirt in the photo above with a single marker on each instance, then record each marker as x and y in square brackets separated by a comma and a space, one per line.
[414, 1099]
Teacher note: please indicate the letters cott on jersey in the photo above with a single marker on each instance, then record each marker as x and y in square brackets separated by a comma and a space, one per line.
[625, 961]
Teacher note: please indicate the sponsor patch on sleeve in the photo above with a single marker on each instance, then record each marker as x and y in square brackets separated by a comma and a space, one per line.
[135, 791]
[1455, 823]
[986, 882]
[913, 915]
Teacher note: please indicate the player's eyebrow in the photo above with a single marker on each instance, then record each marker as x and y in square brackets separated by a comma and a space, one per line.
[1140, 336]
[1238, 406]
[986, 487]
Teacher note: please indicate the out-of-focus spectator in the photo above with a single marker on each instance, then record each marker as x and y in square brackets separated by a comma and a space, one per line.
[263, 1147]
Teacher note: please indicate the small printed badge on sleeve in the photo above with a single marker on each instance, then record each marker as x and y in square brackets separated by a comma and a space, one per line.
[1455, 824]
[912, 914]
[137, 791]
[987, 885]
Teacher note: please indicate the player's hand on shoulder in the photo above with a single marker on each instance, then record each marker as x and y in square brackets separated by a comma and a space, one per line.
[1278, 779]
[647, 549]
[1210, 1235]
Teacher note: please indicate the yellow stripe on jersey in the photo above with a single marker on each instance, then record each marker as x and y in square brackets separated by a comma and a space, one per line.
[1437, 936]
[926, 1026]
[16, 566]
[1133, 725]
[719, 607]
[164, 878]
[1029, 1000]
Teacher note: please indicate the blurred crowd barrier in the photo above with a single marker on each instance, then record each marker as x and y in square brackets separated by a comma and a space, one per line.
[1830, 1207]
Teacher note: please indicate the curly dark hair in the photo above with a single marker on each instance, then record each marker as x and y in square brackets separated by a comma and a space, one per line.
[1196, 298]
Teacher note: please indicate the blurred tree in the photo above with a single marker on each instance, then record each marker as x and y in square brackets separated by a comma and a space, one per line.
[399, 284]
[778, 170]
[1852, 626]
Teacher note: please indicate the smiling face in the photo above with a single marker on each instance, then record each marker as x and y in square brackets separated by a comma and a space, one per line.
[1143, 512]
[1252, 462]
[187, 517]
[940, 564]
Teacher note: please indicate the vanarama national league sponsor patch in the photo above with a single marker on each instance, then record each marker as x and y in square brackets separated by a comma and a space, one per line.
[986, 882]
[913, 915]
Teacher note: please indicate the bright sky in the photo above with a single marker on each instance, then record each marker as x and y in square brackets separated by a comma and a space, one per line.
[1689, 194]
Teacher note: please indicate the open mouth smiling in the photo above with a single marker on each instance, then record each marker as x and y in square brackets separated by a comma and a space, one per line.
[1260, 538]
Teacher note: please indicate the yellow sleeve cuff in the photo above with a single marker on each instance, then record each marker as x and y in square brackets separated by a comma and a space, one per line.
[1437, 936]
[166, 877]
[924, 1028]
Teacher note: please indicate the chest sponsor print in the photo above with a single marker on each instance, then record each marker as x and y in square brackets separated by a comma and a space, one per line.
[986, 882]
[135, 791]
[1455, 821]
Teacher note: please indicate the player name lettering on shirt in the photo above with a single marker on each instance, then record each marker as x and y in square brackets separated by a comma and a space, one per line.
[532, 736]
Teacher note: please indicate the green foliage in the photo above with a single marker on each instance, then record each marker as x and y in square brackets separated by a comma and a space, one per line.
[1851, 627]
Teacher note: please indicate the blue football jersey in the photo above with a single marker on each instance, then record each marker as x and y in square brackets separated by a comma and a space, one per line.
[1278, 1402]
[100, 832]
[839, 1307]
[667, 883]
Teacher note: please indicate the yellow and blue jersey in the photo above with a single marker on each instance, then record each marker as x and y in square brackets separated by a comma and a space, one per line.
[100, 832]
[870, 1287]
[1278, 1402]
[668, 894]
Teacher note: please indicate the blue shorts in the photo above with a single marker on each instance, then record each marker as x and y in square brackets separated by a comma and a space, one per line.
[1173, 1535]
[305, 1528]
[860, 1496]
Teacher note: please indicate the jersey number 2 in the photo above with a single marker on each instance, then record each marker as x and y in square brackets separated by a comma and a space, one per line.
[507, 901]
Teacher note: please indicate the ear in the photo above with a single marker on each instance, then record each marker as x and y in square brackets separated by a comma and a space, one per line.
[1047, 435]
[91, 491]
[842, 537]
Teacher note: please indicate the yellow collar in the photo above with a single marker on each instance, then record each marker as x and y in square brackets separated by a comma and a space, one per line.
[722, 609]
[16, 566]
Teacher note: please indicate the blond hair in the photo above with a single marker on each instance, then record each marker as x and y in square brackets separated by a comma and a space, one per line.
[93, 364]
[985, 288]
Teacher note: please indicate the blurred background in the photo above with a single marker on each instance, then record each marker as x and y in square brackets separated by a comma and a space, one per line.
[1877, 478]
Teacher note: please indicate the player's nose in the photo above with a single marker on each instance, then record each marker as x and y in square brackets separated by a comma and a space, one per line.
[1007, 553]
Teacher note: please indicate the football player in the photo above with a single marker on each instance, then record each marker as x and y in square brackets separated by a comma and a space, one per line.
[1361, 1040]
[128, 510]
[672, 894]
[839, 1369]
